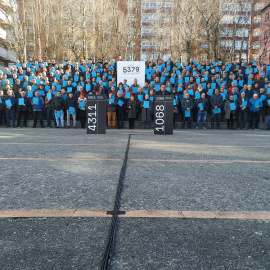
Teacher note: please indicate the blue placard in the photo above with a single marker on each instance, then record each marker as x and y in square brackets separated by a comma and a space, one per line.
[81, 104]
[111, 100]
[234, 97]
[152, 98]
[69, 89]
[198, 80]
[157, 87]
[268, 101]
[74, 84]
[146, 92]
[35, 100]
[135, 89]
[263, 97]
[41, 93]
[232, 106]
[21, 101]
[21, 78]
[1, 102]
[146, 104]
[162, 79]
[186, 79]
[34, 87]
[140, 97]
[191, 92]
[197, 95]
[8, 103]
[71, 110]
[127, 94]
[49, 96]
[58, 87]
[174, 102]
[64, 97]
[120, 102]
[210, 92]
[87, 87]
[213, 85]
[55, 93]
[200, 105]
[217, 111]
[187, 113]
[203, 85]
[30, 94]
[244, 103]
[223, 95]
[172, 80]
[58, 114]
[268, 90]
[65, 83]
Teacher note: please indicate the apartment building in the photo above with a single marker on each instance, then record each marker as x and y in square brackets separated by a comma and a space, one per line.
[264, 52]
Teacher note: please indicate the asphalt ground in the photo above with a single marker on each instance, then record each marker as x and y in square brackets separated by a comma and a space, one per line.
[198, 199]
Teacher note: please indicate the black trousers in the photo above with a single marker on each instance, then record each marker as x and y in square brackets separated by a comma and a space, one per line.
[120, 120]
[25, 117]
[131, 122]
[38, 115]
[3, 119]
[215, 117]
[230, 122]
[242, 119]
[254, 116]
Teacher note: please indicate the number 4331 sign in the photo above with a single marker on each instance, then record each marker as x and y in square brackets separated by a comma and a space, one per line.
[96, 114]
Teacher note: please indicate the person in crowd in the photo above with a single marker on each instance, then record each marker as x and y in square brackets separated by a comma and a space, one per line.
[242, 111]
[147, 110]
[71, 105]
[38, 105]
[10, 107]
[203, 106]
[267, 111]
[49, 108]
[216, 103]
[23, 108]
[58, 107]
[255, 107]
[230, 111]
[81, 105]
[163, 91]
[3, 119]
[111, 111]
[132, 109]
[187, 106]
[120, 110]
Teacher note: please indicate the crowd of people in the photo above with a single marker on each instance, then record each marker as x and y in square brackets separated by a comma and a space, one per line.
[238, 93]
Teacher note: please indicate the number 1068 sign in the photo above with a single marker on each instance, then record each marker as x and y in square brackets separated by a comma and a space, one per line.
[131, 70]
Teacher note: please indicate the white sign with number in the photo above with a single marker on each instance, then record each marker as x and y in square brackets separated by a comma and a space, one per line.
[130, 70]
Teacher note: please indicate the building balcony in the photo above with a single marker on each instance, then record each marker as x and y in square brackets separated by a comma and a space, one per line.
[7, 54]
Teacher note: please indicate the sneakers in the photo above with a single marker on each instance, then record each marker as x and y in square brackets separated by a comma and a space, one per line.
[197, 127]
[204, 128]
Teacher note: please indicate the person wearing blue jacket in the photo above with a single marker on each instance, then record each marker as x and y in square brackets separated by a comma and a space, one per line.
[255, 107]
[10, 110]
[37, 109]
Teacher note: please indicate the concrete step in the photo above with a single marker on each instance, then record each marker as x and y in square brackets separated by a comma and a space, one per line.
[138, 124]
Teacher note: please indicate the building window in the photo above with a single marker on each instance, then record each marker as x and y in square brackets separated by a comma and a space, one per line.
[266, 34]
[267, 16]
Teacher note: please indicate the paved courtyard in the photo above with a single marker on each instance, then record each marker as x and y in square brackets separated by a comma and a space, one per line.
[198, 199]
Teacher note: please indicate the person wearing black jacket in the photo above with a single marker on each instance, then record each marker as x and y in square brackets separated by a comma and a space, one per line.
[132, 109]
[203, 106]
[17, 89]
[242, 111]
[267, 111]
[120, 110]
[3, 119]
[58, 106]
[23, 110]
[162, 91]
[216, 103]
[71, 105]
